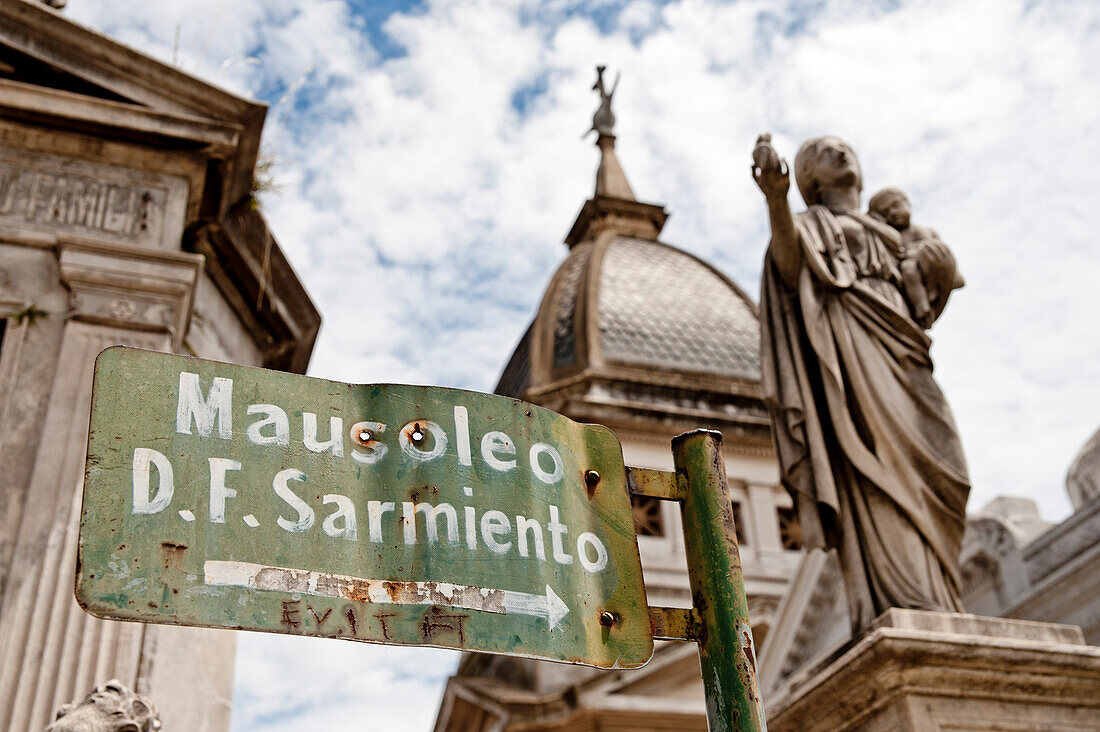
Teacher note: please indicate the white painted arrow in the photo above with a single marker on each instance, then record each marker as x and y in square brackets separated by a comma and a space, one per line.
[385, 592]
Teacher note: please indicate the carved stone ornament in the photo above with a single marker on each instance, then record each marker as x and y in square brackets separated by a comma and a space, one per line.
[603, 121]
[125, 289]
[111, 707]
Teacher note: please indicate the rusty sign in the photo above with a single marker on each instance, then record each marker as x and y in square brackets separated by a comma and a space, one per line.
[235, 497]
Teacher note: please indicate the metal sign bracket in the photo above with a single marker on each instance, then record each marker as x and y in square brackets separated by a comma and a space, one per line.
[719, 618]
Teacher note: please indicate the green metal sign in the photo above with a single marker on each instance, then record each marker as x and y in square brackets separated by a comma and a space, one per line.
[234, 497]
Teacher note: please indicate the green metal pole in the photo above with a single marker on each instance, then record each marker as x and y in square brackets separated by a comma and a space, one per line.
[726, 653]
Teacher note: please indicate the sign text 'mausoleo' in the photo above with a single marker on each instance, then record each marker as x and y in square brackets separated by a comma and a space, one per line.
[210, 416]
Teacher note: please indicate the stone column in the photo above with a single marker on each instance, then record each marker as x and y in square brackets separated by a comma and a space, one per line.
[50, 650]
[765, 522]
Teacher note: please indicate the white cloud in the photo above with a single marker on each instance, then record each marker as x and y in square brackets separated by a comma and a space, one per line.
[290, 684]
[425, 213]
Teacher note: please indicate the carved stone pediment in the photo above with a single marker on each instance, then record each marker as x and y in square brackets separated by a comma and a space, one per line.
[70, 76]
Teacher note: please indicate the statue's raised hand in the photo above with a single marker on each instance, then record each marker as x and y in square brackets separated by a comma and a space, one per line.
[769, 170]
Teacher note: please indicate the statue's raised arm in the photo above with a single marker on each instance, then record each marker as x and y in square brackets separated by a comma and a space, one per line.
[772, 175]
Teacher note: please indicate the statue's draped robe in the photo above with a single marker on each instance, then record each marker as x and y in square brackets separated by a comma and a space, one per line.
[866, 442]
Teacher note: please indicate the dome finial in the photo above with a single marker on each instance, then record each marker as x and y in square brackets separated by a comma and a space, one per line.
[610, 179]
[603, 121]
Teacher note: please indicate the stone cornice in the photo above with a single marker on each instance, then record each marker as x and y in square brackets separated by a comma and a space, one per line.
[79, 111]
[131, 289]
[628, 373]
[1061, 543]
[631, 218]
[662, 410]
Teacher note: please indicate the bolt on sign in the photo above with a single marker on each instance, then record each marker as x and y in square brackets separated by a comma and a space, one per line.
[234, 497]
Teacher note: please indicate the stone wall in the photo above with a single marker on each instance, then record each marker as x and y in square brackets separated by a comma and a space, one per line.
[89, 257]
[124, 219]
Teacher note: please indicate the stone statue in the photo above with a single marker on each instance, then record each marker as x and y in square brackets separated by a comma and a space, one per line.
[866, 442]
[111, 707]
[603, 121]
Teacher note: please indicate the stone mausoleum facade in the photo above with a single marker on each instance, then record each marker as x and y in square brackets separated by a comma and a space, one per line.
[126, 217]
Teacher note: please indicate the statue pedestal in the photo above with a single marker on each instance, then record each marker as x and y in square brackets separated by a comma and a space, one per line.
[918, 671]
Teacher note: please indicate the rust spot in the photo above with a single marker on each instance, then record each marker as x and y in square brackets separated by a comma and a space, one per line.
[415, 434]
[393, 589]
[173, 554]
[352, 588]
[153, 605]
[423, 491]
[591, 481]
[746, 680]
[700, 603]
[367, 438]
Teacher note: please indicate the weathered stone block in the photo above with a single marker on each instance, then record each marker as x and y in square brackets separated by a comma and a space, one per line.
[919, 671]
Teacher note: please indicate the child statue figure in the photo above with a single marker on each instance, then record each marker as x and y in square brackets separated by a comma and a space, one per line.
[891, 205]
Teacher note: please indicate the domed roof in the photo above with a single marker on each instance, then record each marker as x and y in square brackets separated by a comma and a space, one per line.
[661, 307]
[635, 332]
[631, 306]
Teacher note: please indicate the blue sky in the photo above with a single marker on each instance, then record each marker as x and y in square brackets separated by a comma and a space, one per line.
[429, 163]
